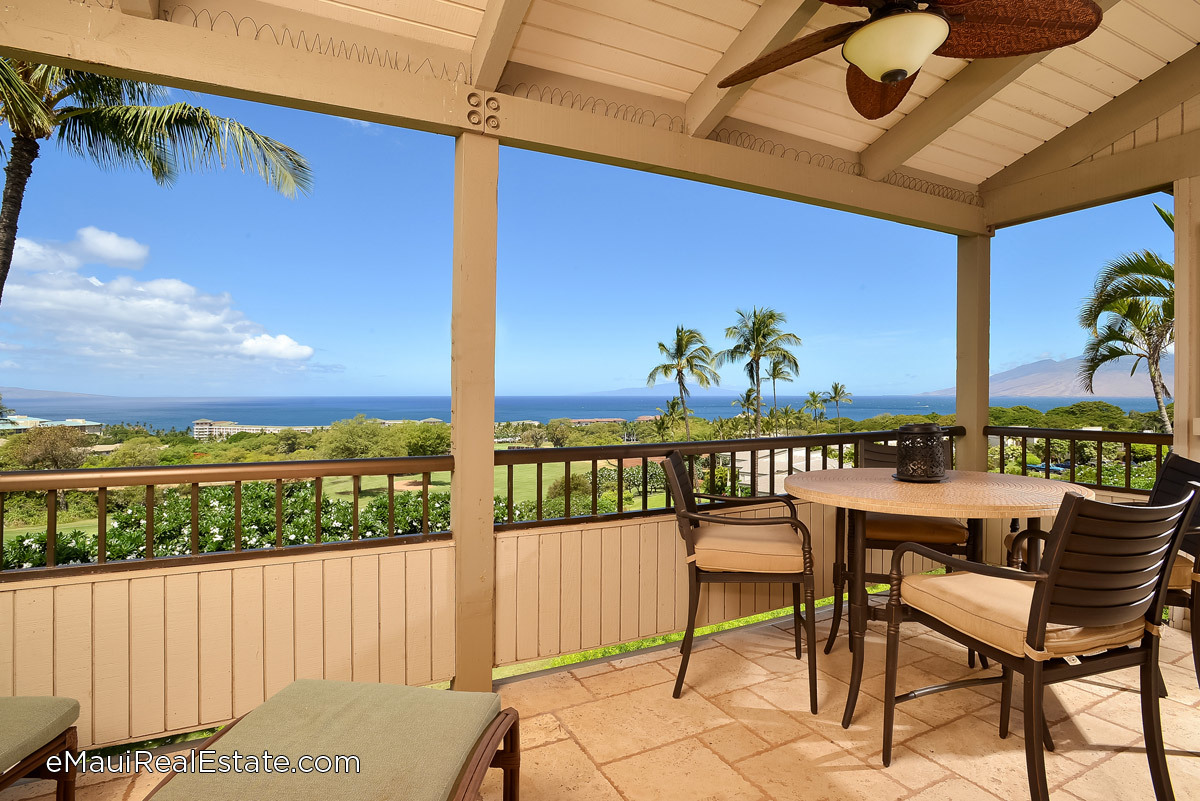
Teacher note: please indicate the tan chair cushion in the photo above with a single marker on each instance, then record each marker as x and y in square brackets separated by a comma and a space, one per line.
[912, 528]
[1181, 572]
[729, 548]
[996, 611]
[29, 722]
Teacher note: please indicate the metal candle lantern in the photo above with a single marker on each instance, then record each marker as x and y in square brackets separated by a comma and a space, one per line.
[921, 453]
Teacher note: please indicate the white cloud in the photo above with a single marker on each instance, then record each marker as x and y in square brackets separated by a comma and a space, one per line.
[8, 364]
[90, 246]
[105, 247]
[275, 347]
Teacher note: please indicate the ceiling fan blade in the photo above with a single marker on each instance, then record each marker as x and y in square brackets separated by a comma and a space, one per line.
[1001, 28]
[872, 99]
[802, 48]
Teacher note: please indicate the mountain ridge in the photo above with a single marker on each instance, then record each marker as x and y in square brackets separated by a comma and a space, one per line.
[1059, 378]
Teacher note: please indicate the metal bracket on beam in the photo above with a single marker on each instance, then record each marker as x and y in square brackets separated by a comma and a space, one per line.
[146, 9]
[483, 112]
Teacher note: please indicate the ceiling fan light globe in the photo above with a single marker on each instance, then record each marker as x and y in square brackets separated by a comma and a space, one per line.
[896, 45]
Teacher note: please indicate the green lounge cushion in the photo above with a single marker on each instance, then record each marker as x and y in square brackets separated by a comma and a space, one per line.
[412, 743]
[29, 722]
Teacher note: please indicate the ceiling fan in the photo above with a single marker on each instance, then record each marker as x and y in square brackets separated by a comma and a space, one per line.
[887, 50]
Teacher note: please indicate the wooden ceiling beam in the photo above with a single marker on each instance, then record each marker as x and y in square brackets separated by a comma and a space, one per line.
[1172, 85]
[776, 23]
[494, 42]
[974, 85]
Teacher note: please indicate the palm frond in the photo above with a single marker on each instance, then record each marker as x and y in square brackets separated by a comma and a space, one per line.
[20, 106]
[1167, 216]
[166, 139]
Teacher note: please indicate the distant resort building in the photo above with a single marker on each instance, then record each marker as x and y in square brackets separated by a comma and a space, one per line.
[587, 421]
[221, 429]
[20, 423]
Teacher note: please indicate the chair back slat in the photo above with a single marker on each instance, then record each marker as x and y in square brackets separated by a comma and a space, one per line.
[879, 454]
[1173, 484]
[681, 490]
[1107, 563]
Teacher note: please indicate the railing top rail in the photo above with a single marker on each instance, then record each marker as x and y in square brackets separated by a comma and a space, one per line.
[24, 481]
[725, 446]
[1084, 435]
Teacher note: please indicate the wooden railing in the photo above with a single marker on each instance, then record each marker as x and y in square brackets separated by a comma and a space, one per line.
[723, 467]
[1108, 460]
[300, 509]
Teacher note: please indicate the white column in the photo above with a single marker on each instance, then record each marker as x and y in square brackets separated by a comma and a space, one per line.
[473, 407]
[974, 320]
[1187, 317]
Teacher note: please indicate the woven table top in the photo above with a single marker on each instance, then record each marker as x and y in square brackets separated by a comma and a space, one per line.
[964, 494]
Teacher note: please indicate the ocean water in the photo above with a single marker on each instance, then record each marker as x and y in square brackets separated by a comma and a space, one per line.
[180, 412]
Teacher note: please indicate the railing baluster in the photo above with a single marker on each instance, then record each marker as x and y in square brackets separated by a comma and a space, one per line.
[319, 510]
[2, 496]
[51, 528]
[620, 485]
[149, 521]
[733, 474]
[645, 484]
[425, 503]
[791, 460]
[539, 490]
[356, 483]
[1046, 456]
[1024, 456]
[279, 513]
[771, 467]
[391, 491]
[753, 473]
[1128, 465]
[713, 464]
[595, 487]
[566, 489]
[1001, 470]
[1099, 464]
[1074, 445]
[824, 458]
[195, 538]
[237, 516]
[510, 493]
[101, 525]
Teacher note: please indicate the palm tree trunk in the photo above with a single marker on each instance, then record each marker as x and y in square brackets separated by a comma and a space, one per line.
[774, 396]
[838, 406]
[757, 401]
[21, 154]
[687, 425]
[1156, 382]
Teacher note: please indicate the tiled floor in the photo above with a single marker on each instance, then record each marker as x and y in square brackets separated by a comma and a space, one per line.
[610, 731]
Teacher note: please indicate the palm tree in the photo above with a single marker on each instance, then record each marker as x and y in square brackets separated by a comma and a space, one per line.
[115, 122]
[1135, 328]
[815, 405]
[790, 418]
[778, 371]
[662, 427]
[1134, 297]
[687, 357]
[751, 406]
[674, 414]
[758, 335]
[838, 395]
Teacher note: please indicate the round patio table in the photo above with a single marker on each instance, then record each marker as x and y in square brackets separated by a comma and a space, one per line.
[965, 494]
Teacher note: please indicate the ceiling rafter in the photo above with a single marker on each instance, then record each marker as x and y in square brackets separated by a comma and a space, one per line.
[1172, 85]
[494, 42]
[775, 24]
[974, 85]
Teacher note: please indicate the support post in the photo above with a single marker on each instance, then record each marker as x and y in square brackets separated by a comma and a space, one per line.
[1187, 317]
[974, 319]
[473, 407]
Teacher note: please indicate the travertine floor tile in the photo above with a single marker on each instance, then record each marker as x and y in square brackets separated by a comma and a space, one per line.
[814, 769]
[960, 790]
[623, 725]
[544, 694]
[733, 742]
[757, 641]
[718, 670]
[664, 772]
[627, 680]
[913, 770]
[761, 716]
[555, 772]
[541, 730]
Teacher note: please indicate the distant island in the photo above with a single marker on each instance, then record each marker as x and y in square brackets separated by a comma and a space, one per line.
[1053, 379]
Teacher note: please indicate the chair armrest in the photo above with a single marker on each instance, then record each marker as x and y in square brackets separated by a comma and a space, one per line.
[730, 499]
[1023, 539]
[958, 564]
[740, 521]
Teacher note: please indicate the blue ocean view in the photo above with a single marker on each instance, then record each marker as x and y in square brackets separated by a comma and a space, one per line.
[180, 412]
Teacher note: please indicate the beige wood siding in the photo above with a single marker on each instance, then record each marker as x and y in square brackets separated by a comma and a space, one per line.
[150, 652]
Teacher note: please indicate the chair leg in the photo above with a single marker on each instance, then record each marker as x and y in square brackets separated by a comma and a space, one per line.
[1152, 728]
[686, 648]
[889, 681]
[1006, 687]
[1162, 683]
[810, 631]
[65, 785]
[1035, 757]
[1195, 621]
[512, 770]
[797, 618]
[839, 578]
[1047, 740]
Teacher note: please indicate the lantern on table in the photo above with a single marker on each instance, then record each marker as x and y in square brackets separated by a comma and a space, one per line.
[921, 453]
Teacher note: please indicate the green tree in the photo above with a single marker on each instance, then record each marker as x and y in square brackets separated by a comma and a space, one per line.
[50, 448]
[751, 405]
[687, 357]
[790, 417]
[1137, 329]
[759, 335]
[662, 427]
[778, 371]
[428, 439]
[534, 437]
[815, 405]
[4, 410]
[289, 440]
[117, 122]
[674, 414]
[137, 452]
[1131, 312]
[837, 395]
[558, 431]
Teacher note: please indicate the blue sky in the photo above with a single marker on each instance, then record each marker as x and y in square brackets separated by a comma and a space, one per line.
[218, 286]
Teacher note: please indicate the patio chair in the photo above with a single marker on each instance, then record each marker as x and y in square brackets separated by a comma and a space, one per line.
[1094, 607]
[886, 531]
[726, 549]
[1183, 585]
[33, 730]
[411, 744]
